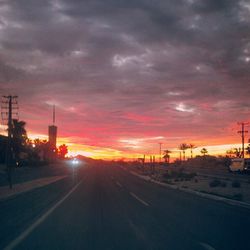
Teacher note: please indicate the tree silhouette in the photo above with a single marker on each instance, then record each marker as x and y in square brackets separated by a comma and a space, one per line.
[183, 147]
[62, 151]
[166, 155]
[41, 148]
[230, 153]
[19, 137]
[192, 147]
[204, 151]
[234, 152]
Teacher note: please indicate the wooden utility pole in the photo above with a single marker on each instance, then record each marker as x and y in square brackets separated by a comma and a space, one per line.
[9, 109]
[242, 132]
[160, 143]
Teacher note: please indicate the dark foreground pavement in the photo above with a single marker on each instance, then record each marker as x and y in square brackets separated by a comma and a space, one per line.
[111, 209]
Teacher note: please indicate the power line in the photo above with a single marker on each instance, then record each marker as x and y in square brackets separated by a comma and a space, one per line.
[9, 109]
[243, 132]
[160, 143]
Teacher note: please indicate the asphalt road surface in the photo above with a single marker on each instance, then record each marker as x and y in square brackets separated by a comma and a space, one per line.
[108, 208]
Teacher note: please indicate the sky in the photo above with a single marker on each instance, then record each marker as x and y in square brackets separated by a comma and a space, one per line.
[127, 74]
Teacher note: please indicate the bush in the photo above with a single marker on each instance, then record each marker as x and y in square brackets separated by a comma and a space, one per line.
[191, 175]
[238, 197]
[236, 184]
[166, 175]
[215, 183]
[223, 184]
[179, 175]
[226, 161]
[168, 182]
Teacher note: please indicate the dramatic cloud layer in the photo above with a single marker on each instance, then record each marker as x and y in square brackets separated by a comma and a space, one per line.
[125, 75]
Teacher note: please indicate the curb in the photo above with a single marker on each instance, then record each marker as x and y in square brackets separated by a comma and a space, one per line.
[204, 195]
[14, 193]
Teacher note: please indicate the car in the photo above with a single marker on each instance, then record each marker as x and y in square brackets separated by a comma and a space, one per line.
[240, 165]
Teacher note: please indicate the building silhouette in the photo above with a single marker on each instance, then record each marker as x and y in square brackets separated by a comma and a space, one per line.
[53, 137]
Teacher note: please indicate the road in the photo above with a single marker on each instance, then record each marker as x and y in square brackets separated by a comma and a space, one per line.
[112, 209]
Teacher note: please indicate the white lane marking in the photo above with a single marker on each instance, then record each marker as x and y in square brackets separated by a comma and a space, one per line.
[139, 199]
[206, 246]
[29, 230]
[118, 184]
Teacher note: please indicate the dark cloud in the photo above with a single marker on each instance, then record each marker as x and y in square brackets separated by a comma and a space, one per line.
[211, 6]
[156, 63]
[9, 73]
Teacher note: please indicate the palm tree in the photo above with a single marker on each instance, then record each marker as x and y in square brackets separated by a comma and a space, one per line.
[234, 152]
[166, 155]
[192, 147]
[230, 153]
[19, 137]
[237, 152]
[183, 147]
[204, 151]
[19, 131]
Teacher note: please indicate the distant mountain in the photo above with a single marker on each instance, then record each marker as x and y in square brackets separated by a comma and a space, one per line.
[84, 158]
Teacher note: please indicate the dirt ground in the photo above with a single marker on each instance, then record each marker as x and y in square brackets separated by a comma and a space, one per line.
[229, 187]
[225, 189]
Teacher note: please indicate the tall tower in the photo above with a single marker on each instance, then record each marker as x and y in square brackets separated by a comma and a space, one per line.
[53, 133]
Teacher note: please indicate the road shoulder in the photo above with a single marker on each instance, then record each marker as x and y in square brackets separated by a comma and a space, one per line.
[6, 192]
[201, 194]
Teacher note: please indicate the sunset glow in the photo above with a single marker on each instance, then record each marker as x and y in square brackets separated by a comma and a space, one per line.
[125, 77]
[131, 149]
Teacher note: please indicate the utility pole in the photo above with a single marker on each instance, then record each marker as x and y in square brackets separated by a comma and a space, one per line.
[144, 157]
[160, 143]
[153, 164]
[243, 132]
[9, 109]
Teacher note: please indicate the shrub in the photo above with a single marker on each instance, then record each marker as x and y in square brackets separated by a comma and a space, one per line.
[166, 175]
[236, 184]
[223, 184]
[215, 183]
[191, 175]
[168, 182]
[238, 197]
[179, 175]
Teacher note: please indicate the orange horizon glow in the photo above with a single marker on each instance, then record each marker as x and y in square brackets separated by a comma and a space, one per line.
[135, 148]
[138, 151]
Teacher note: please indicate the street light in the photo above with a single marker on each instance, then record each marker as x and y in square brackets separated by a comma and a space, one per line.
[74, 163]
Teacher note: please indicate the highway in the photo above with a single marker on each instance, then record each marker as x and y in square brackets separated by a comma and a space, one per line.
[108, 208]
